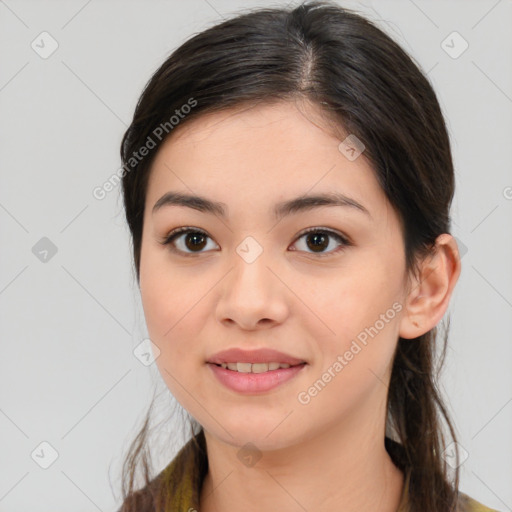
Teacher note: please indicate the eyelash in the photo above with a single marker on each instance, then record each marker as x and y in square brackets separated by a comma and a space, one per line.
[185, 230]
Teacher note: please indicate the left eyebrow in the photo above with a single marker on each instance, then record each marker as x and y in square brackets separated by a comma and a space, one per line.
[282, 209]
[308, 202]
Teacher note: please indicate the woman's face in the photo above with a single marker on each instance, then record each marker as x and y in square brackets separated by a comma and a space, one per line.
[256, 281]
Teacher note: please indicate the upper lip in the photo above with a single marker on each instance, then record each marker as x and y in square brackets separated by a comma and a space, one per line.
[262, 355]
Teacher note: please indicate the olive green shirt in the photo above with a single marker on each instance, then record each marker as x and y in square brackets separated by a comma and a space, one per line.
[186, 486]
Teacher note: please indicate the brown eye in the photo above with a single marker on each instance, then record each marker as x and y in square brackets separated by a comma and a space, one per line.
[194, 240]
[318, 240]
[187, 240]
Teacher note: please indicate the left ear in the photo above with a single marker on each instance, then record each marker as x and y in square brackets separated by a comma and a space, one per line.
[430, 295]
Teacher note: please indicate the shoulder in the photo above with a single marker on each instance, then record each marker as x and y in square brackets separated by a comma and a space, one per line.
[177, 486]
[468, 504]
[142, 500]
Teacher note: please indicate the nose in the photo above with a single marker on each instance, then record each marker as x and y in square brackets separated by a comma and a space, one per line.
[252, 296]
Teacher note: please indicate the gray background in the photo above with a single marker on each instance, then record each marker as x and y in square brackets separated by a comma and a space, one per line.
[71, 320]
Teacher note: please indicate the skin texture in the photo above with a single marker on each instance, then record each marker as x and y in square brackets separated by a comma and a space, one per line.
[327, 454]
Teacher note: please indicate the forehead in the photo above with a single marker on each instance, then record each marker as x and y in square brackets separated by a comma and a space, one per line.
[264, 153]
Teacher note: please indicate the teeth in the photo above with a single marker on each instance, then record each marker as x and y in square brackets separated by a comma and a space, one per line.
[254, 367]
[243, 367]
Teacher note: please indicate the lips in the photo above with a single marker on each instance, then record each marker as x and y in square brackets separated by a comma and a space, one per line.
[255, 383]
[264, 355]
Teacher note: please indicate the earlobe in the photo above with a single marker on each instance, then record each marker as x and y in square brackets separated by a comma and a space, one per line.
[429, 297]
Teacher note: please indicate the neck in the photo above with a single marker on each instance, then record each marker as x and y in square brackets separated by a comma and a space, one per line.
[345, 467]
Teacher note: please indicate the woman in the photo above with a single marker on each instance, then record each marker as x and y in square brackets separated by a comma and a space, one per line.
[287, 184]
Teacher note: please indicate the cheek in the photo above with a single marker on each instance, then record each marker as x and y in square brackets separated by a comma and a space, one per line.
[171, 327]
[174, 308]
[352, 363]
[162, 300]
[158, 299]
[359, 312]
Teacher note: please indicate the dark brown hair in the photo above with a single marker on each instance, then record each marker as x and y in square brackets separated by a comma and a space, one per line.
[367, 85]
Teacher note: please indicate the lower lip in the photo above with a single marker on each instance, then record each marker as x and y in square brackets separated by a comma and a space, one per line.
[254, 382]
